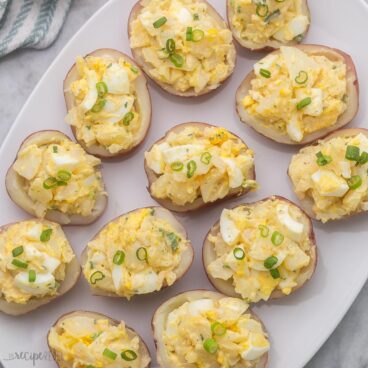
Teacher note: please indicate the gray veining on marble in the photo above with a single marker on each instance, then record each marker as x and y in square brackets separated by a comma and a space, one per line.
[20, 72]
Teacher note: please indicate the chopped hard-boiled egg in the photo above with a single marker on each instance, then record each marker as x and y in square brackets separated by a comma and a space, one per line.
[258, 247]
[214, 333]
[195, 162]
[33, 260]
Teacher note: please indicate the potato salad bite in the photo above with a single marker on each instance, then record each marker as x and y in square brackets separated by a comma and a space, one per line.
[91, 340]
[183, 45]
[298, 94]
[138, 253]
[196, 164]
[109, 106]
[37, 265]
[259, 24]
[209, 330]
[260, 251]
[330, 177]
[54, 178]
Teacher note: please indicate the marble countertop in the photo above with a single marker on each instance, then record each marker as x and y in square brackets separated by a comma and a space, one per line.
[19, 74]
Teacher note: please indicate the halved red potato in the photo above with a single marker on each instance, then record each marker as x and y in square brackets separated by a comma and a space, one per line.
[198, 203]
[142, 105]
[155, 253]
[270, 131]
[287, 216]
[16, 184]
[344, 205]
[220, 24]
[200, 302]
[271, 43]
[140, 358]
[24, 295]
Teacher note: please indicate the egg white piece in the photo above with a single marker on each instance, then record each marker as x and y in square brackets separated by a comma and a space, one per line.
[254, 352]
[295, 27]
[92, 95]
[286, 220]
[34, 233]
[117, 276]
[117, 79]
[236, 176]
[328, 184]
[345, 169]
[117, 111]
[294, 129]
[184, 16]
[265, 63]
[63, 161]
[228, 229]
[181, 153]
[199, 306]
[41, 286]
[146, 282]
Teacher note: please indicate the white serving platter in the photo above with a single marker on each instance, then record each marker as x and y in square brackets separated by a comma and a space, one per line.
[298, 325]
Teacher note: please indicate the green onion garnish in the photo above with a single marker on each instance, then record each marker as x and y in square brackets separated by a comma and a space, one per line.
[170, 46]
[99, 105]
[277, 238]
[19, 263]
[109, 354]
[210, 345]
[174, 240]
[303, 103]
[355, 182]
[50, 183]
[196, 16]
[96, 276]
[101, 89]
[191, 168]
[270, 262]
[159, 22]
[177, 60]
[119, 257]
[323, 160]
[265, 73]
[363, 159]
[275, 273]
[262, 10]
[129, 355]
[141, 254]
[264, 230]
[188, 35]
[32, 276]
[177, 166]
[197, 35]
[55, 149]
[17, 251]
[64, 175]
[239, 253]
[272, 15]
[206, 158]
[128, 118]
[302, 77]
[218, 329]
[279, 1]
[46, 235]
[352, 153]
[134, 69]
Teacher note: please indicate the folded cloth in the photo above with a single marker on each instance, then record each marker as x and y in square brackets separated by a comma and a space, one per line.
[30, 23]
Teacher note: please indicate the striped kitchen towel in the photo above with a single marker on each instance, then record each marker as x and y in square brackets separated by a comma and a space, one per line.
[30, 23]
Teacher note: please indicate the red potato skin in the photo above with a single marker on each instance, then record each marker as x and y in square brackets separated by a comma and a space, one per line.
[125, 153]
[201, 205]
[277, 294]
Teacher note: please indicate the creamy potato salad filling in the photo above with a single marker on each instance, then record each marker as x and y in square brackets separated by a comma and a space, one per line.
[59, 176]
[207, 163]
[261, 249]
[33, 257]
[84, 341]
[260, 21]
[210, 333]
[184, 45]
[137, 254]
[106, 111]
[334, 175]
[297, 94]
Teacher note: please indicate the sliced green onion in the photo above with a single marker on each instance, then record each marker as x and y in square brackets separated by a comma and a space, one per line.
[352, 153]
[46, 235]
[264, 230]
[177, 60]
[270, 262]
[101, 89]
[272, 15]
[355, 182]
[303, 103]
[128, 118]
[109, 354]
[50, 183]
[196, 16]
[189, 33]
[174, 240]
[61, 183]
[299, 38]
[275, 273]
[17, 251]
[64, 175]
[191, 168]
[119, 257]
[197, 35]
[134, 69]
[265, 73]
[363, 159]
[170, 46]
[99, 105]
[262, 10]
[210, 345]
[279, 1]
[323, 160]
[218, 329]
[302, 77]
[239, 253]
[277, 238]
[206, 158]
[129, 355]
[55, 149]
[32, 276]
[96, 276]
[90, 366]
[141, 254]
[177, 166]
[20, 264]
[159, 22]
